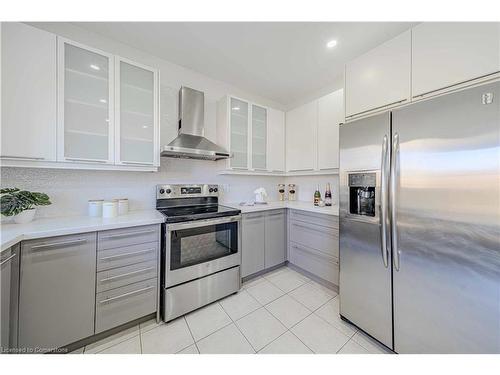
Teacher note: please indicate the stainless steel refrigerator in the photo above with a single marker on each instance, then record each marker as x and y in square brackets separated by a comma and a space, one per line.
[420, 224]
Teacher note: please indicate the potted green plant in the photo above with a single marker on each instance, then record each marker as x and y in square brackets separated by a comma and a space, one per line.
[21, 204]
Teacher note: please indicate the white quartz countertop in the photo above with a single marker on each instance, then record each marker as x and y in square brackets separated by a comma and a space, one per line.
[296, 205]
[11, 234]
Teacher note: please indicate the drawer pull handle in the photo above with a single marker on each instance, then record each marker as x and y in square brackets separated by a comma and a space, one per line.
[128, 234]
[111, 257]
[8, 259]
[111, 278]
[124, 295]
[324, 231]
[313, 253]
[62, 243]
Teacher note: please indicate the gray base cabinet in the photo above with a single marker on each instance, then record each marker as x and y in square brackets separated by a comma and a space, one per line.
[275, 238]
[263, 241]
[127, 277]
[9, 274]
[252, 243]
[313, 244]
[57, 291]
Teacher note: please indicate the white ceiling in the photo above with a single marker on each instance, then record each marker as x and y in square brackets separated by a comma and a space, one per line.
[282, 61]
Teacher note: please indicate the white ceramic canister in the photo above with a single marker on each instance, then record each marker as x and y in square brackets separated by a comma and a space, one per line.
[110, 208]
[122, 206]
[95, 207]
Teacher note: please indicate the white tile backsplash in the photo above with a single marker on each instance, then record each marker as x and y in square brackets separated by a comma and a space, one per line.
[69, 190]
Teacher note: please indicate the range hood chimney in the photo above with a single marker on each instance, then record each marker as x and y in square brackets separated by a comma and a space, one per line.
[191, 143]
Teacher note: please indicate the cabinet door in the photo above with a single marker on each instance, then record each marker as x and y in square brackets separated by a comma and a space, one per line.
[9, 275]
[239, 133]
[136, 128]
[252, 244]
[259, 137]
[28, 92]
[57, 291]
[380, 77]
[275, 238]
[330, 115]
[85, 108]
[448, 53]
[301, 126]
[275, 140]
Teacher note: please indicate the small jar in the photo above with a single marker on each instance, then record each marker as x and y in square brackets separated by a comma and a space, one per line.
[110, 209]
[122, 206]
[95, 207]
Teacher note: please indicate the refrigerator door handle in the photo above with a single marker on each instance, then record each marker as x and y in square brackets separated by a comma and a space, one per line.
[393, 194]
[383, 200]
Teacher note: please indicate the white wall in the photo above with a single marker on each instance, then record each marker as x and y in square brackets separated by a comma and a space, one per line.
[70, 190]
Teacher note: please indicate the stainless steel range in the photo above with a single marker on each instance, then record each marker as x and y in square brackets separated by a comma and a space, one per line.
[201, 248]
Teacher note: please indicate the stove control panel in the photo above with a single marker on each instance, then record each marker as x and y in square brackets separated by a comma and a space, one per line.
[186, 191]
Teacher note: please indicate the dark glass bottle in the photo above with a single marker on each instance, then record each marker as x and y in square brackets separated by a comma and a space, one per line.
[328, 195]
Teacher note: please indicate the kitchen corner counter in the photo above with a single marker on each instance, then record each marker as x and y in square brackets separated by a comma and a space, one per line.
[11, 234]
[295, 205]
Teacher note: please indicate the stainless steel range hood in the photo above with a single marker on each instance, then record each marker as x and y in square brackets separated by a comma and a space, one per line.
[191, 143]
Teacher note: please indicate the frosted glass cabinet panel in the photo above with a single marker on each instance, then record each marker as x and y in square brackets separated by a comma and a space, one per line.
[85, 104]
[259, 141]
[136, 114]
[239, 133]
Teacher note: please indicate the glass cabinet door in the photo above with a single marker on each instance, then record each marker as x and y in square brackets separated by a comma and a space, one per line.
[259, 137]
[239, 133]
[85, 104]
[136, 117]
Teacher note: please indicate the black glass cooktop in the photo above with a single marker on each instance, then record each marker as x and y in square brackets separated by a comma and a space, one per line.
[199, 212]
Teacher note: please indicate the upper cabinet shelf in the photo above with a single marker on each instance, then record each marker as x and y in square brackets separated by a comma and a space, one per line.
[107, 106]
[430, 59]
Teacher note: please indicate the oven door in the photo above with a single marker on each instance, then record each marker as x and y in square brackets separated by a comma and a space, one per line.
[199, 248]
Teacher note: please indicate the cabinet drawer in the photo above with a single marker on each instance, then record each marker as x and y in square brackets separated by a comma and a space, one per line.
[126, 255]
[118, 277]
[325, 267]
[122, 305]
[110, 239]
[317, 219]
[323, 239]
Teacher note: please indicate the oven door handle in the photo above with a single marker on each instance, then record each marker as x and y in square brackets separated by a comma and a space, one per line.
[202, 223]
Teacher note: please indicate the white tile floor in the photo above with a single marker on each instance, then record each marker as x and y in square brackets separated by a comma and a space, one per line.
[282, 312]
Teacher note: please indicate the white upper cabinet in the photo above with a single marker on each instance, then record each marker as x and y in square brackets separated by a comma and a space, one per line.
[259, 137]
[136, 114]
[330, 115]
[239, 133]
[448, 53]
[275, 140]
[301, 128]
[85, 118]
[28, 61]
[253, 134]
[380, 77]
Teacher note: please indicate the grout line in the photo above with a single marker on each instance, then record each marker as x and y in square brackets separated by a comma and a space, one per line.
[140, 338]
[192, 336]
[337, 352]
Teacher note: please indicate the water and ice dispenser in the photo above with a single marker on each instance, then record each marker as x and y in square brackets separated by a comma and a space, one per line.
[362, 194]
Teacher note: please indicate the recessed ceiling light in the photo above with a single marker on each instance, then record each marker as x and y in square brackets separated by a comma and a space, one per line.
[145, 126]
[95, 67]
[331, 43]
[236, 108]
[103, 100]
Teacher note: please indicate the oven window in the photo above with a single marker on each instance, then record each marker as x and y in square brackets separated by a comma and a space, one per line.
[198, 245]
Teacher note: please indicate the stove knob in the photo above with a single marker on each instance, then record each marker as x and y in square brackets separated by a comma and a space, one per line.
[162, 191]
[211, 190]
[169, 191]
[215, 190]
